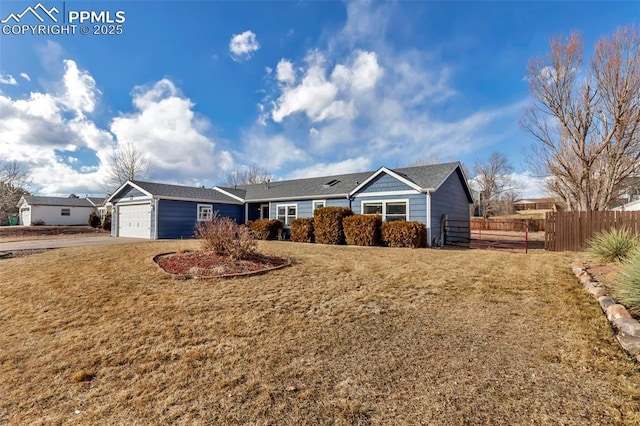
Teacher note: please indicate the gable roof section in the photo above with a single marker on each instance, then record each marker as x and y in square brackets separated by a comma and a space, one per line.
[34, 200]
[98, 202]
[423, 178]
[402, 178]
[176, 192]
[238, 194]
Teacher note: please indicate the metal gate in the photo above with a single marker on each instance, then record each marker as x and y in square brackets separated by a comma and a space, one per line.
[487, 234]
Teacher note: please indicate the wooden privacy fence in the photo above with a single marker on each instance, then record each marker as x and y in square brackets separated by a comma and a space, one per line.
[571, 231]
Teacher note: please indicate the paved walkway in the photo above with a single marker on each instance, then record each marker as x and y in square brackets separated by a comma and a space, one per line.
[66, 242]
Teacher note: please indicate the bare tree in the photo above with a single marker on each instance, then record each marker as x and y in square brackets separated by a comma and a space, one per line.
[14, 182]
[126, 162]
[493, 178]
[586, 119]
[247, 175]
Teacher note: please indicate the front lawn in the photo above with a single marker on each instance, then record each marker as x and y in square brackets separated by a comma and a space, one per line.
[347, 335]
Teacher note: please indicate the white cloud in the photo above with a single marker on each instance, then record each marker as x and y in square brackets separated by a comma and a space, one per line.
[530, 186]
[323, 98]
[165, 127]
[66, 151]
[362, 93]
[8, 80]
[270, 151]
[243, 46]
[25, 76]
[285, 72]
[80, 88]
[351, 165]
[362, 75]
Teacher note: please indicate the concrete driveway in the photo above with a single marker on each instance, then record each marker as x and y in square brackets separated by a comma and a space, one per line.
[66, 242]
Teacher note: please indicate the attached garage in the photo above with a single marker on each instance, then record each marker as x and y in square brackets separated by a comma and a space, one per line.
[134, 220]
[160, 211]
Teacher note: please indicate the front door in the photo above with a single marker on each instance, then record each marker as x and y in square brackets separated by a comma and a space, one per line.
[264, 211]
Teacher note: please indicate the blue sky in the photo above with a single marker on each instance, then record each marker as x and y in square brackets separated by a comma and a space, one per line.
[299, 88]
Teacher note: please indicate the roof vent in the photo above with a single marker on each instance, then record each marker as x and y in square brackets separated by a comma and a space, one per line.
[330, 183]
[266, 183]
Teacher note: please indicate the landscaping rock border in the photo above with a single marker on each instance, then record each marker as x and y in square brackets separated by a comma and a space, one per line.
[212, 277]
[627, 328]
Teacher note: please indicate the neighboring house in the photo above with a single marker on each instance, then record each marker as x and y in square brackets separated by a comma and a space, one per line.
[628, 207]
[537, 205]
[423, 193]
[36, 210]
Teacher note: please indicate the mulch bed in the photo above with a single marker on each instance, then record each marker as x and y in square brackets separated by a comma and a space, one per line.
[206, 264]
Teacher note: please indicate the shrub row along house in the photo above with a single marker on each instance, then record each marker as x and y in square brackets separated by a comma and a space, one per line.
[422, 193]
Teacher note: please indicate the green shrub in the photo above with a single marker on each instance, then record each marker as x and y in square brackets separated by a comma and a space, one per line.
[327, 224]
[302, 230]
[626, 286]
[613, 245]
[400, 233]
[266, 229]
[225, 237]
[94, 220]
[106, 223]
[362, 229]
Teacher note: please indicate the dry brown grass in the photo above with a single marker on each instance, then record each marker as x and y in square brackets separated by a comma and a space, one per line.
[347, 335]
[24, 233]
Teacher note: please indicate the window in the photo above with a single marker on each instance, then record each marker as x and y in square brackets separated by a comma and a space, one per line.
[287, 213]
[317, 204]
[396, 211]
[205, 212]
[65, 212]
[372, 208]
[390, 210]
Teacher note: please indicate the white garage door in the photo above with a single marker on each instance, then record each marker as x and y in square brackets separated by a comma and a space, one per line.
[25, 216]
[134, 221]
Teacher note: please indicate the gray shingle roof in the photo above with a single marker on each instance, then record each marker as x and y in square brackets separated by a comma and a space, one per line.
[97, 201]
[426, 177]
[34, 200]
[185, 192]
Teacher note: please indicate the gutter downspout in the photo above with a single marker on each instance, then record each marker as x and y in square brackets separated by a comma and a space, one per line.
[428, 201]
[155, 205]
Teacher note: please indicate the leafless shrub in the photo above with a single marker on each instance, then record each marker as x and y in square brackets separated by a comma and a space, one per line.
[225, 237]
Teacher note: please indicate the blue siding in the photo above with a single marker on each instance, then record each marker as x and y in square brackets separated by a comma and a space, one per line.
[128, 192]
[384, 183]
[417, 204]
[450, 199]
[305, 206]
[337, 202]
[254, 211]
[233, 211]
[177, 219]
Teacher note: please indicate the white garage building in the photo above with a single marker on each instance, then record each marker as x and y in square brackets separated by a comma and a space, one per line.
[36, 210]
